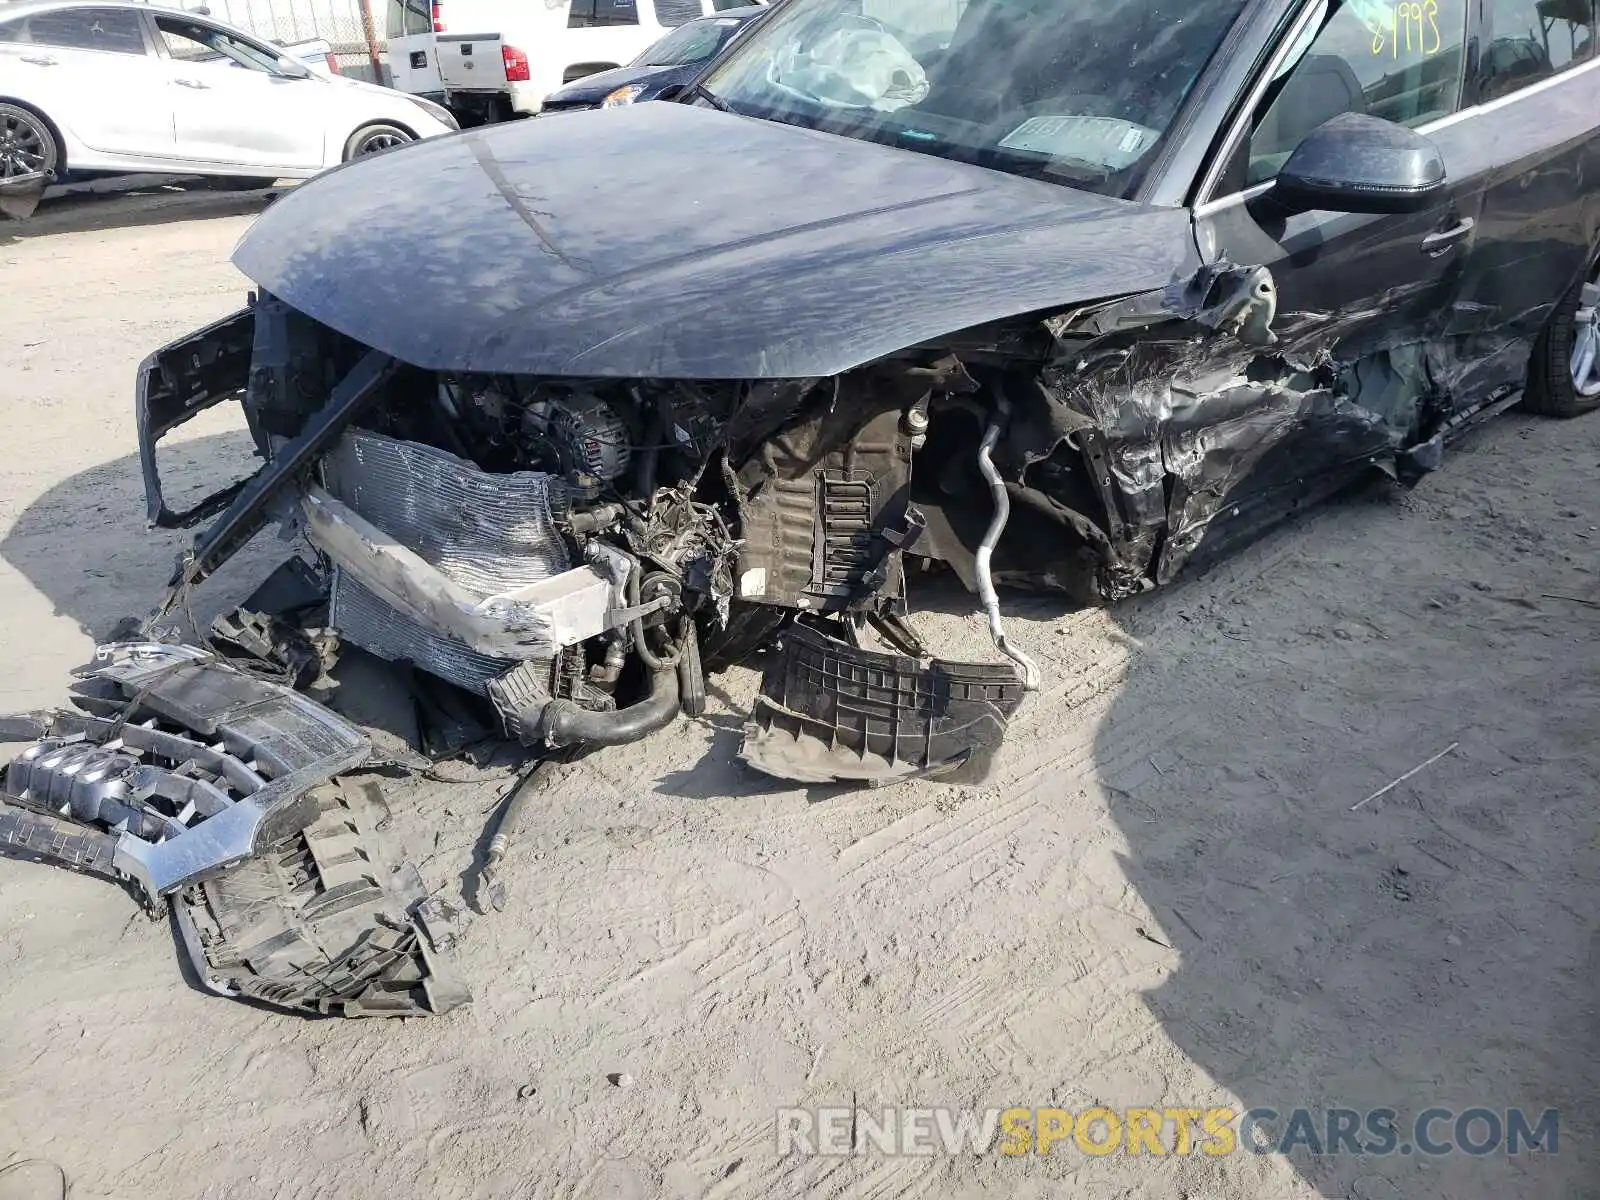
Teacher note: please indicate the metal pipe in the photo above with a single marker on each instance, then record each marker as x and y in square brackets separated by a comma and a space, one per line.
[991, 539]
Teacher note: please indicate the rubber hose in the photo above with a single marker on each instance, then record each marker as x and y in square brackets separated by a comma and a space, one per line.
[511, 816]
[563, 723]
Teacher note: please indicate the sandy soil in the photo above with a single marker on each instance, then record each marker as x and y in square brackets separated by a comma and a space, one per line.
[1163, 898]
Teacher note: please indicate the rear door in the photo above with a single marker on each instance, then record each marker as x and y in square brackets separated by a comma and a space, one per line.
[92, 70]
[232, 107]
[1536, 113]
[413, 66]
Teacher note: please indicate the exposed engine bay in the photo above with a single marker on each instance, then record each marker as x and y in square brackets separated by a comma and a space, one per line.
[571, 553]
[555, 564]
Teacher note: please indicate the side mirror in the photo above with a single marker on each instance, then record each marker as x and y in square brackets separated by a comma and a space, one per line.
[1361, 164]
[292, 68]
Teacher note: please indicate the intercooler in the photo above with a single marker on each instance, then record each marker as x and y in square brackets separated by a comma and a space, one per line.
[489, 533]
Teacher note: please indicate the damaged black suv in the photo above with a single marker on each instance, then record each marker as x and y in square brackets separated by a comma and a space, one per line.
[1061, 294]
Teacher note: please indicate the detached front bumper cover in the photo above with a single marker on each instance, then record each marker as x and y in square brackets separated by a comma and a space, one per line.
[216, 793]
[193, 765]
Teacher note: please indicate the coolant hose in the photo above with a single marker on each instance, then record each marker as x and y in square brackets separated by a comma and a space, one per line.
[563, 723]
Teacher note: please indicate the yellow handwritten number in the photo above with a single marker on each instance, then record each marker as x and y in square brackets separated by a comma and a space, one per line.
[1406, 20]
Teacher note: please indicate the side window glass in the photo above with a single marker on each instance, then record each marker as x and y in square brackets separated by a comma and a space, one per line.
[672, 13]
[111, 29]
[14, 31]
[182, 44]
[1395, 59]
[188, 43]
[1530, 40]
[418, 17]
[586, 14]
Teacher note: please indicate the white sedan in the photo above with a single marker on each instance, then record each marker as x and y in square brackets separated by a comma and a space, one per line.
[119, 87]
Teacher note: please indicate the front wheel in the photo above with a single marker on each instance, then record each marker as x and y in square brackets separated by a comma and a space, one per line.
[373, 139]
[27, 143]
[1564, 376]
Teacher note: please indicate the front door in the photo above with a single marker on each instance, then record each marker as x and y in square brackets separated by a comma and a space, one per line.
[413, 67]
[1372, 294]
[233, 107]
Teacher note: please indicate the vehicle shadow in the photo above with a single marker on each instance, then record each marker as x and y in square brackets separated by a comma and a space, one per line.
[1433, 948]
[84, 208]
[84, 544]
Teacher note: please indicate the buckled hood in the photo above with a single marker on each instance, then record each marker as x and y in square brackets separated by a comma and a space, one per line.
[671, 240]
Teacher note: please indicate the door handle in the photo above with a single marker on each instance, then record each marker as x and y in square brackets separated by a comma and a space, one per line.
[39, 60]
[1442, 242]
[192, 83]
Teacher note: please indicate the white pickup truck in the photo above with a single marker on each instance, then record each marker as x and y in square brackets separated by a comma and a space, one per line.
[488, 60]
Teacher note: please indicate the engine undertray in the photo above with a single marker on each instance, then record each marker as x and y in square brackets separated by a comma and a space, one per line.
[830, 712]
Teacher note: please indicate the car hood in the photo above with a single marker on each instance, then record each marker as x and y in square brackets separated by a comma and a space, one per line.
[675, 241]
[594, 88]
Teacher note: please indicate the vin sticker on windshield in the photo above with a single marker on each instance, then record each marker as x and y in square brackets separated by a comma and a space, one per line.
[1105, 141]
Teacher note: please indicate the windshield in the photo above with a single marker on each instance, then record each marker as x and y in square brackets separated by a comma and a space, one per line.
[1076, 91]
[692, 43]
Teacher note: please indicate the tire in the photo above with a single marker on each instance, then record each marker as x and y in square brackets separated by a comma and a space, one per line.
[376, 138]
[27, 143]
[1572, 337]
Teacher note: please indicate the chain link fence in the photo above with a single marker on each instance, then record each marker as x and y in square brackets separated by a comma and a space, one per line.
[340, 23]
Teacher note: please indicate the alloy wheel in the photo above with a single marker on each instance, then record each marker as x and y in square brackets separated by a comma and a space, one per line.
[380, 139]
[25, 145]
[1585, 362]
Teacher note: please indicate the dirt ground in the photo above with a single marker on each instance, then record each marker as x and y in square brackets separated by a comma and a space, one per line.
[1163, 898]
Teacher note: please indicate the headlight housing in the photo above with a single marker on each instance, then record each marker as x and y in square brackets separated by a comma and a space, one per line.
[622, 96]
[437, 111]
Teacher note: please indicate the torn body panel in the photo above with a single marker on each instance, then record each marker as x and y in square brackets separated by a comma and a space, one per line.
[1199, 432]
